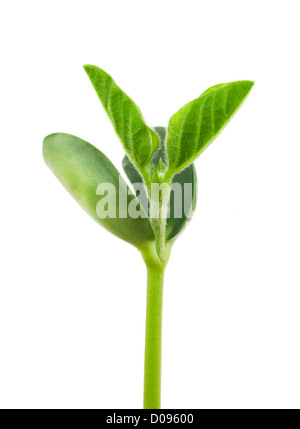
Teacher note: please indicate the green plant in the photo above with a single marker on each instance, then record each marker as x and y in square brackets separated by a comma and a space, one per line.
[156, 160]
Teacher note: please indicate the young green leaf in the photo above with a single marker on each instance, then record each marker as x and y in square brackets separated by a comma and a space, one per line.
[139, 141]
[199, 122]
[187, 177]
[81, 168]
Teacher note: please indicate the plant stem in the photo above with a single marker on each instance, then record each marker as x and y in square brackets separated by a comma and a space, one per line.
[160, 203]
[152, 375]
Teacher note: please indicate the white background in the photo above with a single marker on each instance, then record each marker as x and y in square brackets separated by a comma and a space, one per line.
[72, 296]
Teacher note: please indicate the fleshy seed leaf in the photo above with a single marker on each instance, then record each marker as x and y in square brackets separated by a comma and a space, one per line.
[81, 168]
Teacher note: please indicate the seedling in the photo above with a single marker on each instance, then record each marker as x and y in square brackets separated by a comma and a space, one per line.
[159, 165]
